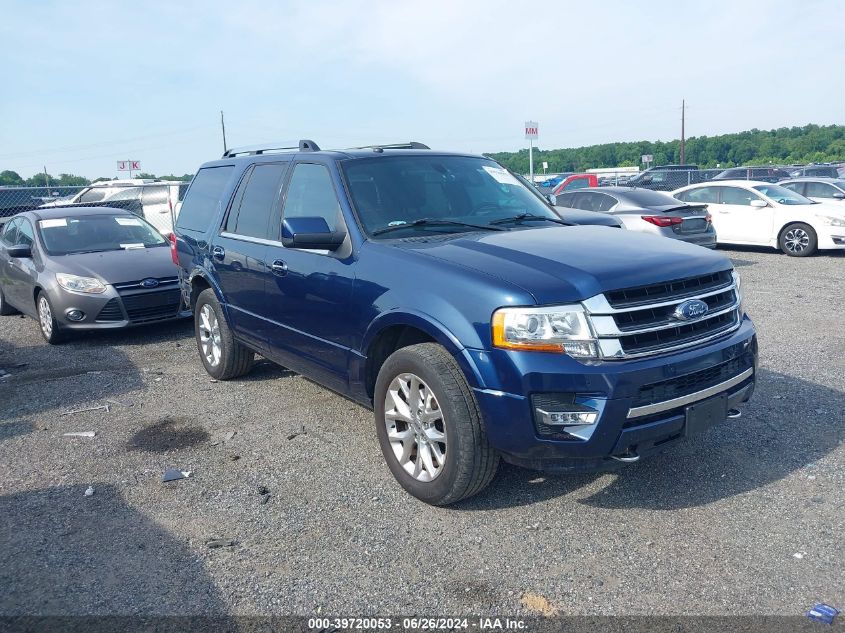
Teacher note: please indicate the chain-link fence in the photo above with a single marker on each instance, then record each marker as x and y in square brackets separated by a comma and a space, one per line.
[156, 202]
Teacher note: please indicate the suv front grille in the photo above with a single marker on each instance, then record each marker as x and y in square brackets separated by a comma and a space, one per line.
[682, 288]
[641, 321]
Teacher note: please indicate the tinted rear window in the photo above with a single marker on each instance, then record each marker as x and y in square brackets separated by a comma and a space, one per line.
[648, 198]
[202, 202]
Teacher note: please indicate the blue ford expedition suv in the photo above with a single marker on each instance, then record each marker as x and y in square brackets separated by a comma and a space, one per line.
[441, 292]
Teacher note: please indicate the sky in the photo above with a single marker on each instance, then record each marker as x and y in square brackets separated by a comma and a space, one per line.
[87, 83]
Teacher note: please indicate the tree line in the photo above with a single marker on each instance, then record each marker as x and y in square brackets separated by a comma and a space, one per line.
[10, 178]
[807, 144]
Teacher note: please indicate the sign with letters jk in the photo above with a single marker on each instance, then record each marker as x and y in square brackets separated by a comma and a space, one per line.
[128, 165]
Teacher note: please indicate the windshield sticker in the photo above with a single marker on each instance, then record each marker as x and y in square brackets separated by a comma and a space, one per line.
[501, 175]
[131, 246]
[51, 224]
[128, 221]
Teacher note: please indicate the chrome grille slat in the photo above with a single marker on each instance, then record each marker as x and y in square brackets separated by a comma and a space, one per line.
[647, 329]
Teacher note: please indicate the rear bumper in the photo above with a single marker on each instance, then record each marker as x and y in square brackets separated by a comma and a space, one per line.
[621, 391]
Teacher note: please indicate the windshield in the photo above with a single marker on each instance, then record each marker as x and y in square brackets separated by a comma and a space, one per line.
[782, 195]
[95, 233]
[394, 191]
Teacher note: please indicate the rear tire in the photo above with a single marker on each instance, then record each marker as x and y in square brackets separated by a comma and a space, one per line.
[798, 240]
[222, 356]
[47, 320]
[440, 454]
[5, 308]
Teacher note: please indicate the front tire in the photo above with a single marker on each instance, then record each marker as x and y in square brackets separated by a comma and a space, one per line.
[222, 356]
[798, 240]
[5, 308]
[429, 426]
[47, 320]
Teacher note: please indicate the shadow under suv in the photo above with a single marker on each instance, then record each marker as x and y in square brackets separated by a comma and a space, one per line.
[438, 290]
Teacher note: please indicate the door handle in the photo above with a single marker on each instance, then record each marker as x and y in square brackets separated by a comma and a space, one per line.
[279, 268]
[218, 253]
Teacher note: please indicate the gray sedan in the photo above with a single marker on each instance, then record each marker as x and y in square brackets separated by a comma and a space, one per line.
[86, 268]
[646, 211]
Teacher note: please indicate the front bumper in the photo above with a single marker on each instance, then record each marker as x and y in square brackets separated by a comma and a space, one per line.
[115, 310]
[510, 379]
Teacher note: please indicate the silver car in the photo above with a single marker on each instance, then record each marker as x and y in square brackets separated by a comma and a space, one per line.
[86, 268]
[646, 211]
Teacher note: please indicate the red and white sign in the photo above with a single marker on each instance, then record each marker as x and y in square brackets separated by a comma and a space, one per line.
[128, 165]
[532, 130]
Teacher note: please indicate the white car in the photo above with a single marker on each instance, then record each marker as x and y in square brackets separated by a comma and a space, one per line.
[765, 214]
[830, 190]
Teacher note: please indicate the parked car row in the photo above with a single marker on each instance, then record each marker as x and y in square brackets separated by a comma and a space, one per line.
[157, 201]
[437, 289]
[766, 214]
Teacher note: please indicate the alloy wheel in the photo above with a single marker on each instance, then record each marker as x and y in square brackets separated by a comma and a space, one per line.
[796, 240]
[209, 332]
[415, 427]
[45, 316]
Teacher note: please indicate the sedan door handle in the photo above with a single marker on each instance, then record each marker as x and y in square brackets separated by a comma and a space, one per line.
[279, 268]
[218, 253]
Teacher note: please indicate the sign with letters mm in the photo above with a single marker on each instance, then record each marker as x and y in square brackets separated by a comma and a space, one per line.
[532, 130]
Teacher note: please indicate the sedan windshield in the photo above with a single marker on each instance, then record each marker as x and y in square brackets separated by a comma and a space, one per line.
[782, 195]
[451, 193]
[97, 233]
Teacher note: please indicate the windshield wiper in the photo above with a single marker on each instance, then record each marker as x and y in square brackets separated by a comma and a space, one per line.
[530, 216]
[435, 221]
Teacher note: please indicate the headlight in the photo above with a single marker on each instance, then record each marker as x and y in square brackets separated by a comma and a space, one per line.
[738, 282]
[80, 284]
[830, 220]
[552, 329]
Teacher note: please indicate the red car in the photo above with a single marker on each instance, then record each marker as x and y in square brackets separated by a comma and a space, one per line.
[576, 181]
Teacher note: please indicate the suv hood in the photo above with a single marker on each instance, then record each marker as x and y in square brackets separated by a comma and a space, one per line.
[565, 264]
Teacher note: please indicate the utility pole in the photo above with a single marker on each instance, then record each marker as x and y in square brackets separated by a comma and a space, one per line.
[47, 179]
[223, 126]
[683, 141]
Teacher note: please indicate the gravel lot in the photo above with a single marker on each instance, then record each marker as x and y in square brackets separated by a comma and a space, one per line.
[750, 516]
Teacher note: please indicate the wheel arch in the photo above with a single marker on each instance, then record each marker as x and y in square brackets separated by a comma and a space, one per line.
[395, 330]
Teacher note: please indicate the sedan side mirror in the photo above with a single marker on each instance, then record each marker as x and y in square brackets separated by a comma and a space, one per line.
[552, 198]
[21, 251]
[839, 196]
[759, 204]
[311, 233]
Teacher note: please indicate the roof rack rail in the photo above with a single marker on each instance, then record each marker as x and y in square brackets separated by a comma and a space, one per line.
[408, 145]
[305, 145]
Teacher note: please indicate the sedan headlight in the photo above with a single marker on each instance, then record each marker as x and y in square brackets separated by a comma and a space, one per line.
[831, 220]
[550, 329]
[75, 283]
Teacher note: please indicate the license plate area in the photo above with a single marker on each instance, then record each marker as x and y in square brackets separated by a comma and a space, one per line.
[702, 415]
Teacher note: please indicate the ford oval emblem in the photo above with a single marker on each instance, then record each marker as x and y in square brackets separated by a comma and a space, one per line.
[689, 310]
[152, 283]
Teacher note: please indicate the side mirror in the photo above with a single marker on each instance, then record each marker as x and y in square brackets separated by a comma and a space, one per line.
[759, 204]
[312, 233]
[552, 198]
[19, 252]
[839, 196]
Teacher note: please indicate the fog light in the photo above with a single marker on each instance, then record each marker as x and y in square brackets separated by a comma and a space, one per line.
[75, 315]
[569, 415]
